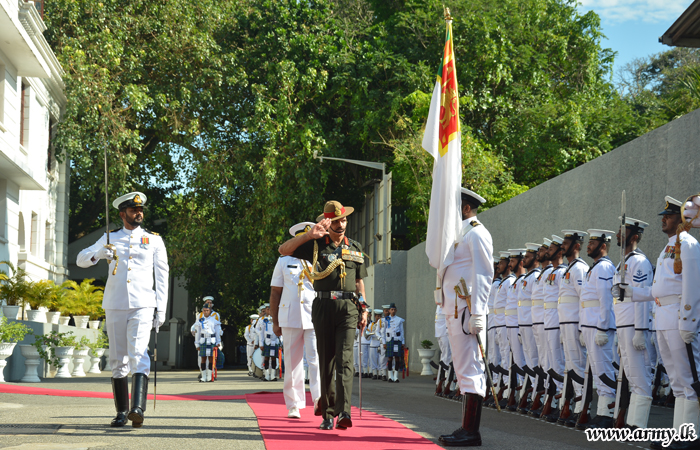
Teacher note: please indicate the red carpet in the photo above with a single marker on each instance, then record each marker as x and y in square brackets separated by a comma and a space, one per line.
[372, 432]
[31, 390]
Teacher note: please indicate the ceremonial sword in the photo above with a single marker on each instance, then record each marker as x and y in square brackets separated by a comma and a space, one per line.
[109, 246]
[467, 298]
[623, 244]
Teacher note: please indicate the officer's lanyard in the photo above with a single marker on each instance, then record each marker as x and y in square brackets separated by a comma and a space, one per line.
[588, 274]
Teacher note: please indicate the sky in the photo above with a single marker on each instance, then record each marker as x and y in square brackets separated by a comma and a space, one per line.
[633, 27]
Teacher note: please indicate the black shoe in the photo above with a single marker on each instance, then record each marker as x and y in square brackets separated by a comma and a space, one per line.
[374, 377]
[344, 421]
[120, 390]
[306, 381]
[139, 394]
[596, 422]
[553, 417]
[384, 378]
[327, 424]
[468, 434]
[571, 421]
[536, 413]
[357, 374]
[274, 379]
[396, 380]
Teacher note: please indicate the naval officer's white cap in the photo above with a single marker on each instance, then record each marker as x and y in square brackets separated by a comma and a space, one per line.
[574, 235]
[556, 240]
[600, 235]
[634, 223]
[504, 255]
[378, 311]
[130, 200]
[208, 298]
[254, 316]
[300, 228]
[546, 243]
[386, 306]
[473, 195]
[517, 252]
[532, 247]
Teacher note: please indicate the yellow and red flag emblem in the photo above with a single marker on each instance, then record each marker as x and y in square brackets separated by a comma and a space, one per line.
[449, 96]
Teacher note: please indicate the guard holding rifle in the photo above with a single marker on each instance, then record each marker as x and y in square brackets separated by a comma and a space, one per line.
[130, 301]
[337, 268]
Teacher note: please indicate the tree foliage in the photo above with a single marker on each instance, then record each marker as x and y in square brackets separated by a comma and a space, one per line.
[215, 109]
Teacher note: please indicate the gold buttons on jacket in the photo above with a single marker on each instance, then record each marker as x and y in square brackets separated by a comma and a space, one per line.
[131, 257]
[128, 281]
[131, 246]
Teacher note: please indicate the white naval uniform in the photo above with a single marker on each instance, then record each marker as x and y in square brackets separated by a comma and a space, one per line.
[570, 285]
[678, 308]
[473, 261]
[207, 333]
[294, 317]
[537, 313]
[393, 335]
[512, 329]
[441, 336]
[382, 341]
[597, 315]
[525, 325]
[129, 297]
[250, 345]
[499, 305]
[364, 340]
[634, 316]
[555, 351]
[493, 350]
[374, 333]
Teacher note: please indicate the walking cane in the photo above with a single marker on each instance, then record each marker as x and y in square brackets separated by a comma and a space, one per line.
[359, 348]
[155, 367]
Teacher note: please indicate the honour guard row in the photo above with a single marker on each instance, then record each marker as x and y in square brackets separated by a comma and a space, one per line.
[558, 329]
[384, 340]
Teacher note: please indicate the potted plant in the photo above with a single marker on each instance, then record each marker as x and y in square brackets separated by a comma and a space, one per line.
[39, 296]
[13, 289]
[426, 354]
[97, 349]
[10, 334]
[82, 300]
[56, 349]
[95, 316]
[79, 355]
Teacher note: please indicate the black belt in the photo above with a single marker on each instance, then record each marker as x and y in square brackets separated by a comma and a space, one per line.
[335, 294]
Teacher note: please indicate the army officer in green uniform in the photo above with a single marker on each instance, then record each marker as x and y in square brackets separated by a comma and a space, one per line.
[337, 269]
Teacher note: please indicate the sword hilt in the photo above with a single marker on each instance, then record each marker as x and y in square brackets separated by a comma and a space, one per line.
[116, 257]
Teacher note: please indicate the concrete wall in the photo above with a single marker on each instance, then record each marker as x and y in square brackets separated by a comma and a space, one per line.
[663, 162]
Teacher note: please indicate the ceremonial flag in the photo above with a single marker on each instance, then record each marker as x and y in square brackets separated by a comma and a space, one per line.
[442, 139]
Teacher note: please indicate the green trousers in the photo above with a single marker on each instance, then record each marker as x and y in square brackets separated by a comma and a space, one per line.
[335, 322]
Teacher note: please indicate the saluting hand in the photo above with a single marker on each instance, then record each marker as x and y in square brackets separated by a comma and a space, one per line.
[320, 229]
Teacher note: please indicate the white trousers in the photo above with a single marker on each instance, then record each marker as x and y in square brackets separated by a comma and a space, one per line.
[529, 347]
[365, 358]
[574, 353]
[636, 362]
[504, 347]
[296, 341]
[675, 356]
[601, 358]
[493, 350]
[374, 359]
[541, 344]
[466, 358]
[445, 349]
[249, 349]
[555, 353]
[129, 332]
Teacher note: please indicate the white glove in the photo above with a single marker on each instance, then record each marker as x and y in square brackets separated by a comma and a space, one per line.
[477, 323]
[601, 338]
[105, 253]
[688, 336]
[158, 320]
[619, 288]
[581, 339]
[639, 341]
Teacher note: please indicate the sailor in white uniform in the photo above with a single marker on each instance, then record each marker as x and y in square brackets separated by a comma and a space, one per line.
[207, 337]
[531, 265]
[250, 342]
[517, 356]
[499, 305]
[537, 312]
[677, 295]
[597, 321]
[395, 341]
[132, 295]
[383, 362]
[374, 333]
[291, 299]
[473, 263]
[493, 350]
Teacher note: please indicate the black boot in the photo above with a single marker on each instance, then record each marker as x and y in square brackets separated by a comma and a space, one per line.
[120, 391]
[468, 434]
[139, 394]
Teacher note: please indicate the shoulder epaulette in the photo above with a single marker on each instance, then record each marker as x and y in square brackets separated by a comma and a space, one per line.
[114, 231]
[150, 232]
[474, 223]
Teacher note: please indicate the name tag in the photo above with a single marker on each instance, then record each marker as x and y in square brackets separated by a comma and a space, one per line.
[292, 267]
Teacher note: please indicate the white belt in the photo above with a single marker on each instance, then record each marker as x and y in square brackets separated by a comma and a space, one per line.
[668, 300]
[590, 303]
[525, 303]
[537, 302]
[550, 305]
[499, 310]
[511, 312]
[568, 299]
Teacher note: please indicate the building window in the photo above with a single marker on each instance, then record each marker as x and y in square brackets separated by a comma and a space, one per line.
[48, 245]
[34, 242]
[49, 156]
[39, 5]
[21, 240]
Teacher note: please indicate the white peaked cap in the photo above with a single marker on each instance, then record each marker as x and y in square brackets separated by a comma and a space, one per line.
[557, 240]
[574, 234]
[631, 221]
[473, 195]
[378, 311]
[532, 247]
[546, 243]
[301, 226]
[600, 235]
[516, 252]
[504, 255]
[254, 316]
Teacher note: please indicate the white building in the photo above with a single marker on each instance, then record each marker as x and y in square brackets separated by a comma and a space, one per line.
[33, 185]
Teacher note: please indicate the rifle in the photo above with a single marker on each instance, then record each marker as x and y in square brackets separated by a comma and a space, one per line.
[528, 386]
[512, 383]
[442, 369]
[693, 369]
[538, 388]
[584, 417]
[569, 394]
[660, 370]
[622, 399]
[551, 393]
[447, 390]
